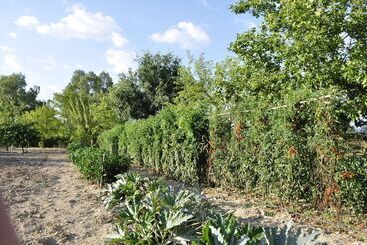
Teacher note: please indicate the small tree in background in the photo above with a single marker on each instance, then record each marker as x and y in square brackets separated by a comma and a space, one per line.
[44, 120]
[19, 135]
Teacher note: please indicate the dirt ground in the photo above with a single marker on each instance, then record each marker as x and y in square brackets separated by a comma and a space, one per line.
[49, 201]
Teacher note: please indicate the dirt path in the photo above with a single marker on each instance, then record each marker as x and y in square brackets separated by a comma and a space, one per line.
[49, 201]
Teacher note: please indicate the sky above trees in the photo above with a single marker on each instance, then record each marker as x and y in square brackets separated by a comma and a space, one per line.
[48, 40]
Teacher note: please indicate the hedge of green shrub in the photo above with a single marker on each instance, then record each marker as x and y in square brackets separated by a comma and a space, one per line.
[97, 165]
[173, 143]
[292, 152]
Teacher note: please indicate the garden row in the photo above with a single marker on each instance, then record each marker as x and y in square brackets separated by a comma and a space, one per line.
[292, 152]
[148, 211]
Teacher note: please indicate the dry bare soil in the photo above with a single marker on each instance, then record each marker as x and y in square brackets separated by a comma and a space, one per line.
[49, 201]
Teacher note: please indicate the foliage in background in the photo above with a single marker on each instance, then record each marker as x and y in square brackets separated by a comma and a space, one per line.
[144, 92]
[18, 135]
[172, 143]
[82, 104]
[14, 98]
[45, 121]
[96, 164]
[287, 150]
[314, 44]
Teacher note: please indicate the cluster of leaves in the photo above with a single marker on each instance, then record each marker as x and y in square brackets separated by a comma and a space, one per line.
[96, 164]
[14, 98]
[172, 143]
[85, 106]
[151, 212]
[351, 179]
[143, 92]
[18, 135]
[45, 121]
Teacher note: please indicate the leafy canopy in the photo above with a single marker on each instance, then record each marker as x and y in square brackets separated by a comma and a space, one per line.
[315, 44]
[14, 98]
[144, 92]
[82, 102]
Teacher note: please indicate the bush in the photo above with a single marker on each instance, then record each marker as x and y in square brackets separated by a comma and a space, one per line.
[351, 183]
[72, 148]
[295, 151]
[19, 135]
[284, 151]
[96, 164]
[174, 142]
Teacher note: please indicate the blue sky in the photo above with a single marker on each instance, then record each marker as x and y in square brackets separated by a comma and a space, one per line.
[48, 40]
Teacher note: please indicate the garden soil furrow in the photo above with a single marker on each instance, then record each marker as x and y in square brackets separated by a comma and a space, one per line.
[48, 200]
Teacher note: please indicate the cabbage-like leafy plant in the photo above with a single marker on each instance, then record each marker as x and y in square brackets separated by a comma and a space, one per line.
[224, 229]
[151, 212]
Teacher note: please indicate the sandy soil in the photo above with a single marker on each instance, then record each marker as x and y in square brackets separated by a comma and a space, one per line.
[49, 201]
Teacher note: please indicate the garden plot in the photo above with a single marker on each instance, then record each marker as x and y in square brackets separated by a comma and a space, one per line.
[49, 201]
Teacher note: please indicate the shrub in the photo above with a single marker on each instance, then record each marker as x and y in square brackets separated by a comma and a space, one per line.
[19, 135]
[285, 151]
[97, 164]
[351, 180]
[72, 148]
[293, 149]
[173, 143]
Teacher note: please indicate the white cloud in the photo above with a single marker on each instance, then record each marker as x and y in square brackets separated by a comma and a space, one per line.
[28, 21]
[78, 23]
[205, 3]
[11, 62]
[121, 60]
[186, 34]
[118, 40]
[12, 35]
[47, 63]
[6, 49]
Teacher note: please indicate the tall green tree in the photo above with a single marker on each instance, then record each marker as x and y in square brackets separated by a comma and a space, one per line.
[145, 91]
[76, 104]
[44, 120]
[207, 83]
[14, 98]
[314, 44]
[157, 76]
[128, 98]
